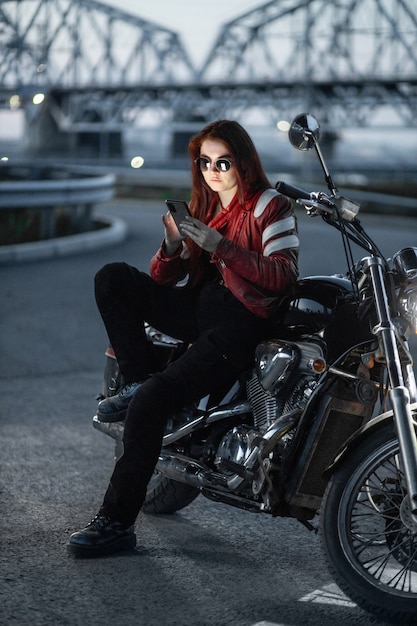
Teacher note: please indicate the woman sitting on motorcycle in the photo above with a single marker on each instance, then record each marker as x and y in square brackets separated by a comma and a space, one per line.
[239, 250]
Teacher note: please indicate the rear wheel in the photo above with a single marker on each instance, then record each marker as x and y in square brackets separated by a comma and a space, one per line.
[367, 531]
[167, 496]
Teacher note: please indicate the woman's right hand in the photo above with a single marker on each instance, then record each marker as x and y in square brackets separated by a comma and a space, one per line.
[173, 239]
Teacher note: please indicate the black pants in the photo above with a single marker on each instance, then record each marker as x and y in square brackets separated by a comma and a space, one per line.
[223, 335]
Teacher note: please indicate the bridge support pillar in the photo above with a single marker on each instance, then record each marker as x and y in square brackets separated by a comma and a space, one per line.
[43, 136]
[41, 131]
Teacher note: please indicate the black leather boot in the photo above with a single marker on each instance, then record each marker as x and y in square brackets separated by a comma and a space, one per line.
[100, 537]
[114, 408]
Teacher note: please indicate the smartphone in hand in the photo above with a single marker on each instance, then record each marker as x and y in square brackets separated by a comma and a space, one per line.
[179, 210]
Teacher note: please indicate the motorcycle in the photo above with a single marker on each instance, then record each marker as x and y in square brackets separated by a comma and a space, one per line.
[323, 427]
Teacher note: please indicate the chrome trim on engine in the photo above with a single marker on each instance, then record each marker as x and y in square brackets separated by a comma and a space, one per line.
[191, 472]
[281, 426]
[203, 420]
[237, 409]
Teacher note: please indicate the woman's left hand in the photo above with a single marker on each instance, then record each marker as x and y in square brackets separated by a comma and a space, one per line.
[204, 236]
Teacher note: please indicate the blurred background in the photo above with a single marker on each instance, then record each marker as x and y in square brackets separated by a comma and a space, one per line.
[86, 83]
[86, 77]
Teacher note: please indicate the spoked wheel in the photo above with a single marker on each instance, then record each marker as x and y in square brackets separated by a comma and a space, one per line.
[367, 530]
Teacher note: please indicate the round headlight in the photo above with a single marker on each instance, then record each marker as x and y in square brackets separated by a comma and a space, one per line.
[405, 262]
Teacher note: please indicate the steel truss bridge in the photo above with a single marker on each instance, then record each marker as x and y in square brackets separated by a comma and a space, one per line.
[352, 62]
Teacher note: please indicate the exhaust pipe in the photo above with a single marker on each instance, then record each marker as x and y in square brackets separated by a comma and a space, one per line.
[185, 470]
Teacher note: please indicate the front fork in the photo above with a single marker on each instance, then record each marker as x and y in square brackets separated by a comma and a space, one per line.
[399, 393]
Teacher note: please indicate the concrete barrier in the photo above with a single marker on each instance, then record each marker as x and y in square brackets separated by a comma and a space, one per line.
[46, 189]
[114, 231]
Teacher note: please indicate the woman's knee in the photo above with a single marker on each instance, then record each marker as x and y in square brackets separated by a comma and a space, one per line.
[114, 280]
[109, 274]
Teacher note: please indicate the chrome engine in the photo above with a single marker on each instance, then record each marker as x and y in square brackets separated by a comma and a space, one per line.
[283, 380]
[286, 374]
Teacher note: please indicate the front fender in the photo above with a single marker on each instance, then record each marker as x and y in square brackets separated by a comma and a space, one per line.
[374, 424]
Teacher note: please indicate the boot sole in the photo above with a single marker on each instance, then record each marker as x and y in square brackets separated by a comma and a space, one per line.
[122, 544]
[109, 418]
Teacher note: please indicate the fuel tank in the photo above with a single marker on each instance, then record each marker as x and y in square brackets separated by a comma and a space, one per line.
[324, 306]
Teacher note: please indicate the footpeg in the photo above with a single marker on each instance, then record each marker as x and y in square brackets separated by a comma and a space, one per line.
[112, 429]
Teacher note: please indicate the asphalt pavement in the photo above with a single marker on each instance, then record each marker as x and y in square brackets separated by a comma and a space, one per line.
[207, 565]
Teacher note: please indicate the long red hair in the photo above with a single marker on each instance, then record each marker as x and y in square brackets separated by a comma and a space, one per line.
[251, 177]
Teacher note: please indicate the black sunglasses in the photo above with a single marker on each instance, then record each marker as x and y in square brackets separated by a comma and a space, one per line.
[221, 165]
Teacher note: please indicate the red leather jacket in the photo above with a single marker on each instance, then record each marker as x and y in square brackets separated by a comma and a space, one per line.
[257, 257]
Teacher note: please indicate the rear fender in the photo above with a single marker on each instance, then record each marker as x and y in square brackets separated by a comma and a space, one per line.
[374, 424]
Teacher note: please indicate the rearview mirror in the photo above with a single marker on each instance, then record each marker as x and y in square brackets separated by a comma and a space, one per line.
[304, 132]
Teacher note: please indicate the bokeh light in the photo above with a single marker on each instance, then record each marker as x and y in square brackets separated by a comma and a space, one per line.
[137, 162]
[283, 126]
[38, 98]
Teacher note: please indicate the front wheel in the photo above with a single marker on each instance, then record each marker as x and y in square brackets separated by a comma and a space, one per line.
[165, 495]
[367, 531]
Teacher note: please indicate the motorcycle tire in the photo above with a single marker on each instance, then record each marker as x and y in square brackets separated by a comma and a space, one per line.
[367, 532]
[165, 496]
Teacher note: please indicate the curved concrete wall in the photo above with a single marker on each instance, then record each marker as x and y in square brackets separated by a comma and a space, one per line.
[46, 189]
[31, 186]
